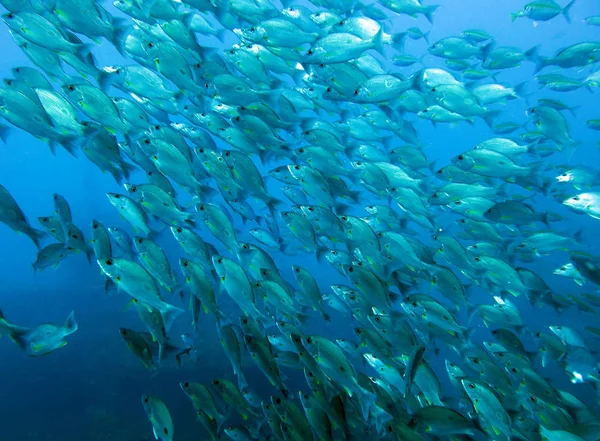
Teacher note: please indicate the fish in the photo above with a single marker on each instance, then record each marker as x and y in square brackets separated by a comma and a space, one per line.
[42, 339]
[159, 416]
[544, 11]
[286, 148]
[12, 216]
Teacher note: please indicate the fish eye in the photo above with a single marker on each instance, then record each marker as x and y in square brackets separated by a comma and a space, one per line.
[472, 386]
[216, 382]
[476, 360]
[219, 260]
[310, 52]
[117, 196]
[356, 92]
[328, 89]
[245, 247]
[390, 429]
[179, 230]
[425, 110]
[575, 198]
[351, 269]
[201, 207]
[146, 141]
[334, 253]
[71, 88]
[186, 263]
[109, 262]
[433, 89]
[296, 167]
[297, 269]
[146, 399]
[435, 195]
[477, 259]
[358, 331]
[309, 340]
[457, 203]
[460, 157]
[11, 16]
[150, 45]
[203, 115]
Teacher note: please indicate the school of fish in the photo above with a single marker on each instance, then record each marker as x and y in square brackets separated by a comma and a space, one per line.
[211, 93]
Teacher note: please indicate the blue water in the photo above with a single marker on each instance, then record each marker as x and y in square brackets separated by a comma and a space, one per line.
[90, 390]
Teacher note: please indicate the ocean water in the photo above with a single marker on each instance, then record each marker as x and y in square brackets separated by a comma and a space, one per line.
[90, 389]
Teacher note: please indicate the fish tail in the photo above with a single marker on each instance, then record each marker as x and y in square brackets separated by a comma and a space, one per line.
[169, 314]
[220, 34]
[520, 90]
[514, 16]
[399, 41]
[120, 32]
[36, 237]
[566, 10]
[104, 80]
[426, 36]
[534, 56]
[429, 12]
[366, 401]
[70, 324]
[377, 41]
[4, 131]
[490, 116]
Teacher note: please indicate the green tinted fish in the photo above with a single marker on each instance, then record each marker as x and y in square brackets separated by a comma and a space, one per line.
[41, 340]
[138, 345]
[131, 212]
[135, 281]
[40, 30]
[543, 11]
[203, 399]
[412, 8]
[159, 416]
[341, 47]
[51, 256]
[95, 104]
[12, 216]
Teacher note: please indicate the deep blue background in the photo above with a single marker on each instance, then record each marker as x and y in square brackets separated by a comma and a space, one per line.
[91, 389]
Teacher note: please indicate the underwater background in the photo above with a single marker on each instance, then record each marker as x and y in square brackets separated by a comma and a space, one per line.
[90, 390]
